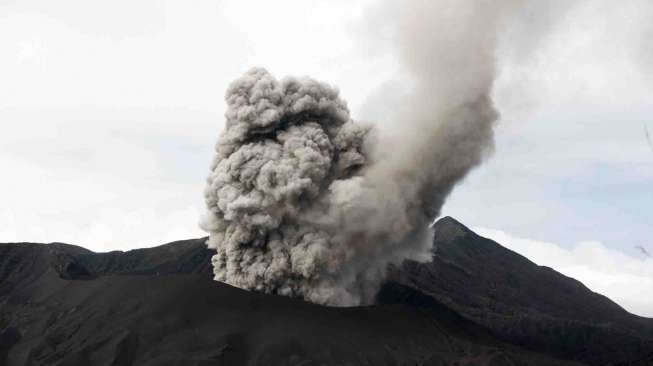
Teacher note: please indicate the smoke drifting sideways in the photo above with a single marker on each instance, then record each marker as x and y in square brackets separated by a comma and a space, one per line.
[302, 201]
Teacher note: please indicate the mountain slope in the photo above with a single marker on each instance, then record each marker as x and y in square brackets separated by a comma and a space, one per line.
[188, 319]
[477, 303]
[529, 305]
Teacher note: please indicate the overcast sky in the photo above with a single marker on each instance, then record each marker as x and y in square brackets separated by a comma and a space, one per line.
[109, 112]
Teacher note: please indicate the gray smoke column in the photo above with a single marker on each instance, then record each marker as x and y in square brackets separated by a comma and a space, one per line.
[302, 201]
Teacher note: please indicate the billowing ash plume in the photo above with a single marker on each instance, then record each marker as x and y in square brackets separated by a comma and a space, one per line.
[303, 201]
[285, 147]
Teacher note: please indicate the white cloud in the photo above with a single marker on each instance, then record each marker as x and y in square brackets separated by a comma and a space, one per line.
[106, 230]
[625, 279]
[594, 53]
[571, 146]
[107, 125]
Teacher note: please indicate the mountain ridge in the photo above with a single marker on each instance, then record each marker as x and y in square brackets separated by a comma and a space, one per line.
[533, 306]
[473, 303]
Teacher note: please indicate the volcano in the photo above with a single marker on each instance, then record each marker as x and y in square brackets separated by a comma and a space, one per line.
[476, 303]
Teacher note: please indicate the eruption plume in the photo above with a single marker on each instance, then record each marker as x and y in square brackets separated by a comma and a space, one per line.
[302, 201]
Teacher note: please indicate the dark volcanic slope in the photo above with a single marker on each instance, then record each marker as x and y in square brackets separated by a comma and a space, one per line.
[26, 262]
[57, 311]
[180, 257]
[64, 305]
[527, 304]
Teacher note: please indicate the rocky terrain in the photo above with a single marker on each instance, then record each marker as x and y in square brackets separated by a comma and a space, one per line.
[477, 303]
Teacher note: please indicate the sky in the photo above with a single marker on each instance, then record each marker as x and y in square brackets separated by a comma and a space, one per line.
[109, 112]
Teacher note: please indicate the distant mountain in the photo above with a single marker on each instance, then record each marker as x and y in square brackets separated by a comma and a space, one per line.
[476, 304]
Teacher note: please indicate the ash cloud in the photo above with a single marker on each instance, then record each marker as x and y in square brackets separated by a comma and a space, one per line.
[285, 146]
[303, 201]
